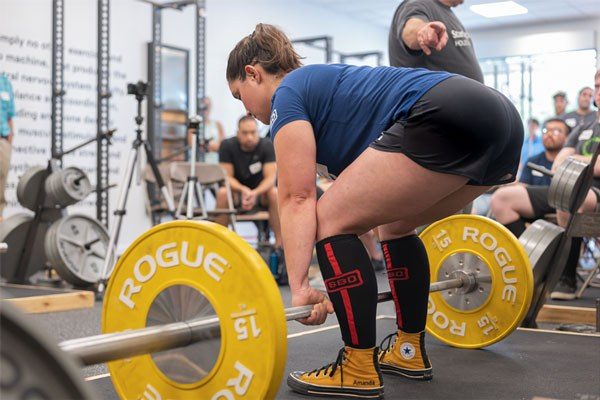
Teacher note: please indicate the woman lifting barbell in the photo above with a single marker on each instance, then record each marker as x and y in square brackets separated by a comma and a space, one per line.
[408, 147]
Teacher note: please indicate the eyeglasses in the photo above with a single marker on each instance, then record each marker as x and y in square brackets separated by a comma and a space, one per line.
[555, 131]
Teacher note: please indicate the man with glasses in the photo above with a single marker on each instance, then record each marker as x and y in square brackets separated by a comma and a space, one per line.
[513, 205]
[554, 136]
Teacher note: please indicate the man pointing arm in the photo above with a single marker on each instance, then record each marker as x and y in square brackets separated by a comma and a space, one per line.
[427, 34]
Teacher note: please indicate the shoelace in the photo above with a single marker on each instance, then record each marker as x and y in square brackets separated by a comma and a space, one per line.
[333, 366]
[388, 346]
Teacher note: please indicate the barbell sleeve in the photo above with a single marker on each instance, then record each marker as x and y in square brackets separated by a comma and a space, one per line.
[119, 345]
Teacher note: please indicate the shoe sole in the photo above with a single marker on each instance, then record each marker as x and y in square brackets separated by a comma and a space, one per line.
[562, 296]
[327, 391]
[419, 375]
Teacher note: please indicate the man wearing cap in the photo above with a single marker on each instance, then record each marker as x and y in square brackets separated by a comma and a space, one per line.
[560, 104]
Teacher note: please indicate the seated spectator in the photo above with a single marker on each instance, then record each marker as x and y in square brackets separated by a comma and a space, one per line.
[584, 113]
[579, 145]
[560, 104]
[532, 145]
[512, 205]
[512, 198]
[250, 164]
[554, 137]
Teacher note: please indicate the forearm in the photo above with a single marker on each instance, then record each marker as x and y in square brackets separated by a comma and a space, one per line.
[234, 184]
[409, 33]
[298, 229]
[561, 157]
[264, 185]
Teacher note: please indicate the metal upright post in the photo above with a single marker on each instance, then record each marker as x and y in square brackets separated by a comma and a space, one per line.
[102, 118]
[58, 17]
[200, 64]
[154, 134]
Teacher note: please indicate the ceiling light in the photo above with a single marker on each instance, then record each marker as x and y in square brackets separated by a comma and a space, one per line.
[500, 9]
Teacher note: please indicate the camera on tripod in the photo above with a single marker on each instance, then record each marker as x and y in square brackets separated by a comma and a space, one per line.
[139, 89]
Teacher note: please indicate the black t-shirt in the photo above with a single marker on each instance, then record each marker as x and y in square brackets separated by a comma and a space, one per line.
[458, 56]
[533, 177]
[247, 166]
[573, 119]
[583, 138]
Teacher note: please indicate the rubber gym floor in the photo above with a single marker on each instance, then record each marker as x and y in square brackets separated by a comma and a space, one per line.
[529, 364]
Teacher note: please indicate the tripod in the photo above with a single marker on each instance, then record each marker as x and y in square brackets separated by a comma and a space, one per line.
[192, 191]
[139, 90]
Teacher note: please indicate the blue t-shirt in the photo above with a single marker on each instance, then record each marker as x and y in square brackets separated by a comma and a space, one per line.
[348, 106]
[531, 148]
[535, 178]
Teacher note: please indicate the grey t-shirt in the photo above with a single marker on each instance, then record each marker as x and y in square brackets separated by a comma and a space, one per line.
[458, 56]
[574, 120]
[582, 139]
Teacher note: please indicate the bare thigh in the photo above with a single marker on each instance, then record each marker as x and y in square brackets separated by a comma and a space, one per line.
[513, 197]
[379, 188]
[443, 208]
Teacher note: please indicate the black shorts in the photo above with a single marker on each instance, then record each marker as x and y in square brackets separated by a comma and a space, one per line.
[538, 196]
[460, 127]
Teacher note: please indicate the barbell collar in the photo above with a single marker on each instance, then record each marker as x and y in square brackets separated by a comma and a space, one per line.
[119, 345]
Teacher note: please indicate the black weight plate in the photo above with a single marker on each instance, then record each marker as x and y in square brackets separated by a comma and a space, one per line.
[32, 366]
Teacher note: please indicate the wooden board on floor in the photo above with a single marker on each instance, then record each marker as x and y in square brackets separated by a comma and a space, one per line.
[38, 299]
[567, 315]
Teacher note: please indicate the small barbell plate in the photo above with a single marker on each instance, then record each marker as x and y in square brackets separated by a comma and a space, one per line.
[76, 184]
[29, 186]
[68, 186]
[186, 269]
[497, 305]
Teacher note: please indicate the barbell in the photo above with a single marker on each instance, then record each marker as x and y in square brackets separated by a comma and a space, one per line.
[114, 346]
[198, 284]
[192, 311]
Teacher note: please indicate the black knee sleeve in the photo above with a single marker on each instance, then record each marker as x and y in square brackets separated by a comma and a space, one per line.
[352, 287]
[408, 273]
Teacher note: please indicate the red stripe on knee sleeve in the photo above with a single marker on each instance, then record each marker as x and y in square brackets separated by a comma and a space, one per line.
[388, 262]
[345, 296]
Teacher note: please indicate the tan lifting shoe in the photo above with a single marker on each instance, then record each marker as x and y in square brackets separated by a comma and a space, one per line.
[406, 356]
[355, 375]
